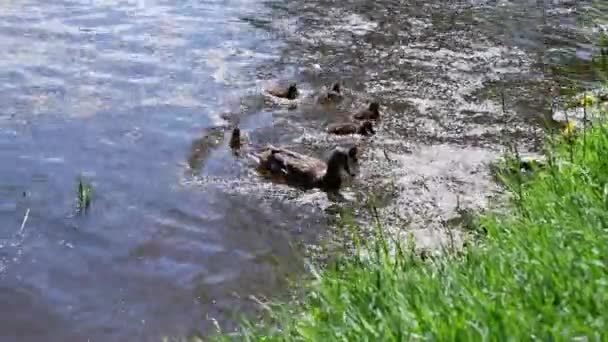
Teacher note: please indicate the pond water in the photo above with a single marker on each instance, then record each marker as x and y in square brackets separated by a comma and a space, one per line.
[135, 96]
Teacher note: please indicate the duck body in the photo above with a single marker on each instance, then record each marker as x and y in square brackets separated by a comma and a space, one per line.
[365, 128]
[235, 139]
[239, 141]
[370, 113]
[290, 93]
[301, 170]
[334, 96]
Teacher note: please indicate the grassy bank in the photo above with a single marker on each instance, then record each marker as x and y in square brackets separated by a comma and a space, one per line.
[537, 271]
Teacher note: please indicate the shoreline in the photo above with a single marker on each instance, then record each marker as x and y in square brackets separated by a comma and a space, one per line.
[536, 267]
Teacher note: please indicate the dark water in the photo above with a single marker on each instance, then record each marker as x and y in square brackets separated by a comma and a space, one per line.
[130, 95]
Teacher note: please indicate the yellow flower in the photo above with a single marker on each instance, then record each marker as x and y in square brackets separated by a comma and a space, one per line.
[588, 100]
[568, 129]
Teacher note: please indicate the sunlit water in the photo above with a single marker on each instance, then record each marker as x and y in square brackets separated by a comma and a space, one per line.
[134, 95]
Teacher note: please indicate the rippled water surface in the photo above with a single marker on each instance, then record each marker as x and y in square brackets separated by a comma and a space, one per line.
[135, 97]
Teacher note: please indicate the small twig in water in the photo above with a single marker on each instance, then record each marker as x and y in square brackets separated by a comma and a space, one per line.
[259, 302]
[502, 97]
[27, 215]
[422, 182]
[386, 155]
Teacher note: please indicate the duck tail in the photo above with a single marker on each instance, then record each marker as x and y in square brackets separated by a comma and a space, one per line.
[255, 157]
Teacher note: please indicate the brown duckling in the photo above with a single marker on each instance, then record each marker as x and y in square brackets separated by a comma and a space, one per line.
[332, 96]
[235, 139]
[304, 171]
[289, 93]
[238, 141]
[371, 113]
[366, 128]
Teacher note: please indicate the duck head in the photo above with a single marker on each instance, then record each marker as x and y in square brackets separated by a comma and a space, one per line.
[367, 128]
[352, 153]
[292, 91]
[374, 107]
[336, 88]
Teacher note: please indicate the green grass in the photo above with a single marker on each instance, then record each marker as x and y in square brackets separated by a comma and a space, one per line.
[84, 195]
[538, 271]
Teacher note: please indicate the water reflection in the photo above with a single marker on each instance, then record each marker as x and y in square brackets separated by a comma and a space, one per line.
[202, 147]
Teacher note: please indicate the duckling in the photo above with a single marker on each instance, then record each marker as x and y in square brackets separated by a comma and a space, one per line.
[305, 171]
[235, 139]
[332, 96]
[238, 141]
[366, 128]
[290, 93]
[371, 113]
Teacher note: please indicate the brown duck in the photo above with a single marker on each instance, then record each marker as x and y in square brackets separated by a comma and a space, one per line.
[371, 113]
[366, 128]
[332, 96]
[290, 93]
[304, 171]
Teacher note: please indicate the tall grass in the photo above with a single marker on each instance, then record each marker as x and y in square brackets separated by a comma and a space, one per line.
[539, 272]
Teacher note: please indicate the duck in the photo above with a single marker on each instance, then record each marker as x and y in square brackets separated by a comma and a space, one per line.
[304, 171]
[332, 96]
[290, 93]
[371, 113]
[235, 139]
[238, 141]
[365, 128]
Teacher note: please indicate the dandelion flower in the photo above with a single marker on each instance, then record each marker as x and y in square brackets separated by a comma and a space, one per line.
[588, 100]
[568, 129]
